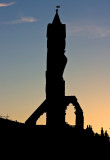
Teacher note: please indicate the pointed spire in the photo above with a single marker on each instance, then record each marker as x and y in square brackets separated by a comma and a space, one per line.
[56, 19]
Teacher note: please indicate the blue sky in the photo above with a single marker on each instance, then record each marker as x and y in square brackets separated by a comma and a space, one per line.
[23, 25]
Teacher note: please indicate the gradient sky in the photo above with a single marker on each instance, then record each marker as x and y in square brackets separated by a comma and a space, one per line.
[23, 25]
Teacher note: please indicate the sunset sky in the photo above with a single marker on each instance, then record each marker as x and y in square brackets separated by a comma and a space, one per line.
[23, 25]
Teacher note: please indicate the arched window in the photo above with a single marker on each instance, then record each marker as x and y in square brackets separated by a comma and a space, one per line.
[41, 120]
[70, 117]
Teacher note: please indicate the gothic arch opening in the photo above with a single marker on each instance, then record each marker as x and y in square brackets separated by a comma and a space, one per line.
[41, 120]
[70, 117]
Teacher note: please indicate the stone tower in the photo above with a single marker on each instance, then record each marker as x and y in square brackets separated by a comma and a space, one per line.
[56, 102]
[56, 61]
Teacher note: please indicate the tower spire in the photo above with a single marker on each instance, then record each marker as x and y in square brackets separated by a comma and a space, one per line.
[56, 18]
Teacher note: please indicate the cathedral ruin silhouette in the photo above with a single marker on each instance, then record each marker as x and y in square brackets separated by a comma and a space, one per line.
[56, 102]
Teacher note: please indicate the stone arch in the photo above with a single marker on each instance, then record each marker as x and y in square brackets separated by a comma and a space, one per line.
[79, 112]
[31, 121]
[41, 120]
[70, 117]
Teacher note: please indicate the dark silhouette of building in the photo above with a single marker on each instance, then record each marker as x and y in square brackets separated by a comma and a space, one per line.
[56, 102]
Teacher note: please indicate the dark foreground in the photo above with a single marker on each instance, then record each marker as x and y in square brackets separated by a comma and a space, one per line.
[19, 132]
